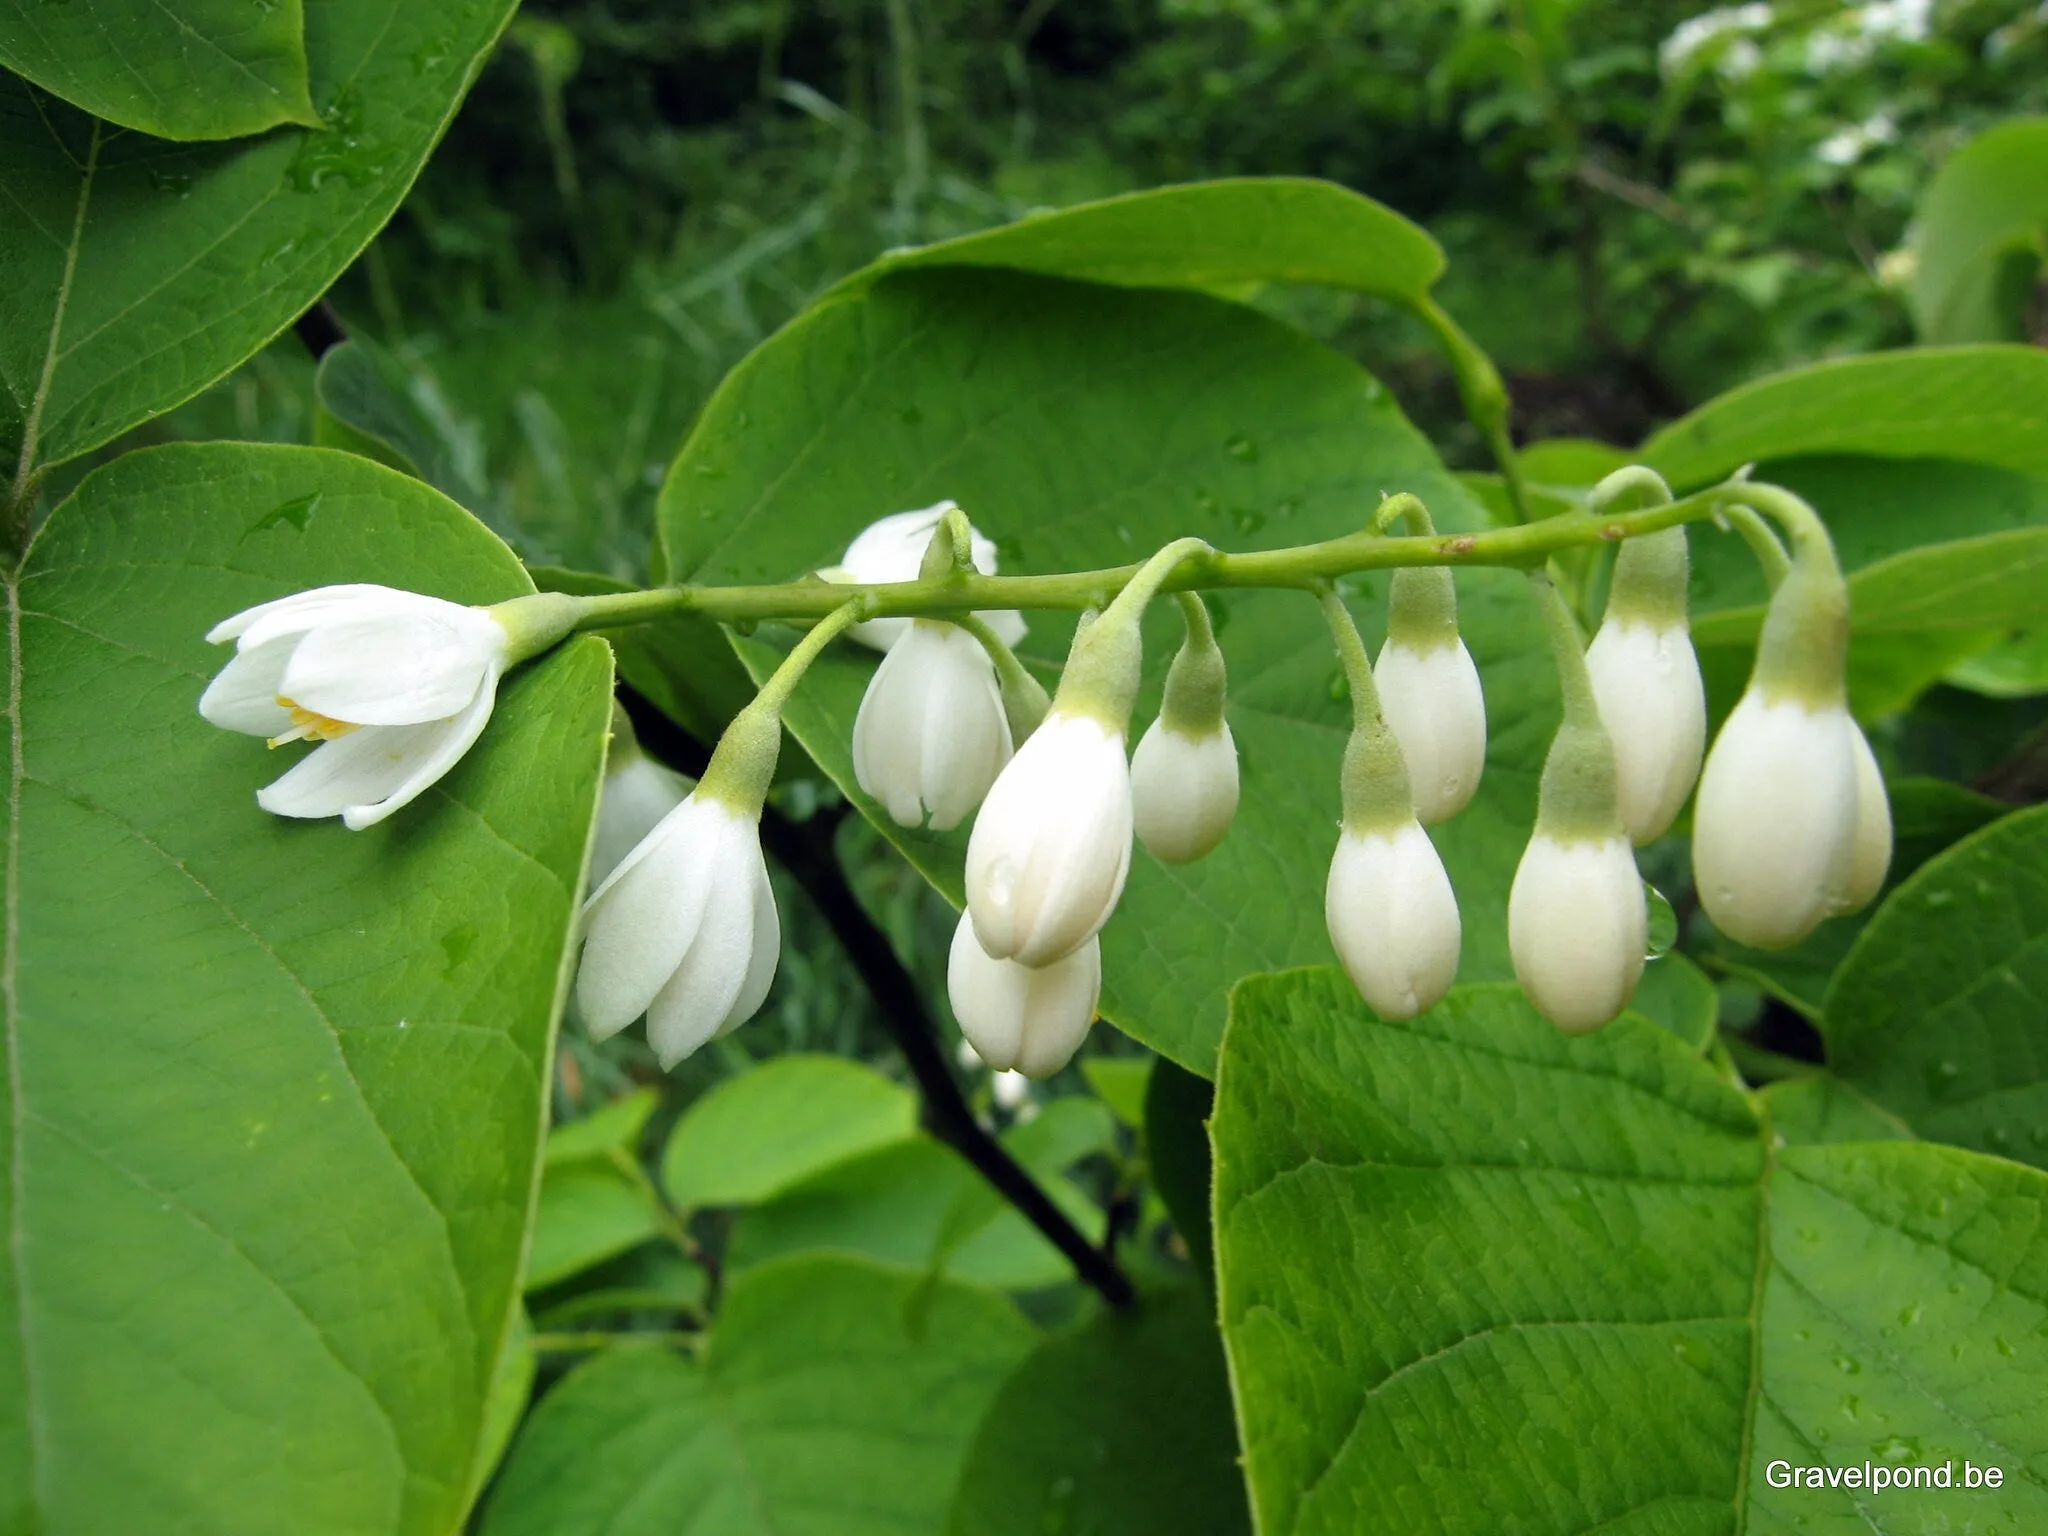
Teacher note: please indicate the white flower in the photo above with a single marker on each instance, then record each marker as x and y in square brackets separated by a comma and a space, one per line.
[1183, 791]
[1393, 919]
[931, 735]
[396, 687]
[1695, 32]
[684, 930]
[892, 549]
[636, 794]
[1774, 827]
[1870, 857]
[1433, 701]
[1019, 1018]
[1646, 681]
[1052, 845]
[1012, 1090]
[1578, 928]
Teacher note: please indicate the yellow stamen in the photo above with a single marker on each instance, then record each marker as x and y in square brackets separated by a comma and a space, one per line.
[307, 726]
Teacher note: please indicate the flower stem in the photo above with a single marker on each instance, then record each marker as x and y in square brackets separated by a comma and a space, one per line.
[1025, 700]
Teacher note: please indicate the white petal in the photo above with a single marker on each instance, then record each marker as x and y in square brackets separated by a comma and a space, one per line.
[766, 954]
[1646, 682]
[1184, 791]
[366, 775]
[1871, 852]
[302, 610]
[965, 736]
[1018, 1018]
[892, 549]
[885, 745]
[441, 753]
[1058, 1010]
[1578, 928]
[1393, 919]
[640, 923]
[706, 986]
[1433, 702]
[244, 696]
[635, 797]
[395, 668]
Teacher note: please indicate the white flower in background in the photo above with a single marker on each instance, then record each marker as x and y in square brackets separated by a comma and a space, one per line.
[1696, 32]
[931, 735]
[1393, 919]
[394, 685]
[1848, 145]
[1437, 710]
[1020, 1018]
[684, 930]
[1646, 680]
[1870, 855]
[1774, 834]
[1908, 21]
[892, 549]
[1183, 791]
[1012, 1093]
[1051, 848]
[636, 794]
[1578, 928]
[1739, 60]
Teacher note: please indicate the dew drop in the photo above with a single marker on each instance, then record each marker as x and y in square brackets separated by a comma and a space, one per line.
[1848, 1365]
[1896, 1449]
[2004, 1345]
[1247, 521]
[1242, 449]
[1910, 1315]
[1663, 929]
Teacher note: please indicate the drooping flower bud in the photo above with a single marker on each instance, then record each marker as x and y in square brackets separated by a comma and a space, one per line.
[1184, 774]
[1388, 903]
[931, 735]
[1052, 845]
[636, 794]
[1646, 676]
[893, 549]
[1429, 689]
[1791, 824]
[1018, 1017]
[1578, 922]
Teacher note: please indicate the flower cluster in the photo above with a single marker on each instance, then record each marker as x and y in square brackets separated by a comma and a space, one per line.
[1791, 823]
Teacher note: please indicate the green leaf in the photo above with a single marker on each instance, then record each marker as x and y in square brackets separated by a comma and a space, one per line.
[1821, 1108]
[613, 1127]
[1677, 995]
[1120, 1427]
[918, 1206]
[833, 1399]
[1119, 1081]
[1979, 233]
[211, 69]
[2015, 667]
[275, 1088]
[1177, 1109]
[1450, 1249]
[1060, 1135]
[1200, 417]
[756, 1135]
[1216, 236]
[369, 393]
[590, 1210]
[139, 271]
[511, 1387]
[1984, 405]
[1938, 1014]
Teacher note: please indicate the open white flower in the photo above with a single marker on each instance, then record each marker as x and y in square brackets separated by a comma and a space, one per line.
[1774, 830]
[892, 549]
[1184, 790]
[395, 685]
[1432, 700]
[1646, 680]
[1393, 919]
[1052, 845]
[1020, 1018]
[684, 930]
[1578, 928]
[931, 735]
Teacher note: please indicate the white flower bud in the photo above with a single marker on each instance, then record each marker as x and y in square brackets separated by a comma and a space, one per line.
[1052, 845]
[892, 549]
[1774, 827]
[1393, 919]
[1012, 1092]
[1870, 858]
[1434, 704]
[1183, 791]
[1020, 1018]
[684, 930]
[931, 735]
[1646, 681]
[637, 793]
[1578, 928]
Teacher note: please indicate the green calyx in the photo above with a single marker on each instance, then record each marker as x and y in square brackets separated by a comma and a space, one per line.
[1422, 601]
[1375, 781]
[1650, 571]
[537, 623]
[1803, 653]
[1101, 677]
[1578, 798]
[1195, 683]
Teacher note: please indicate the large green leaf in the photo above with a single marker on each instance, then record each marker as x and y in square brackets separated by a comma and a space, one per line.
[138, 271]
[833, 1399]
[1221, 236]
[1979, 234]
[275, 1088]
[1120, 1427]
[1083, 426]
[210, 69]
[1477, 1275]
[1986, 405]
[1940, 1013]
